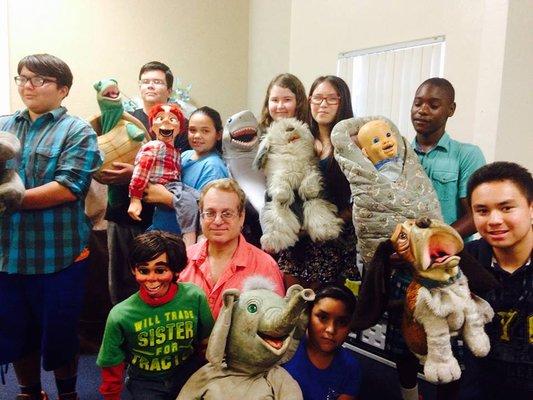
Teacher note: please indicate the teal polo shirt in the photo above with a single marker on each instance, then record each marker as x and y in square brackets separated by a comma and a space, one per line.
[449, 165]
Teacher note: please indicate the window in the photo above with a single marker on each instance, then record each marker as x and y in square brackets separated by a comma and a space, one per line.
[383, 80]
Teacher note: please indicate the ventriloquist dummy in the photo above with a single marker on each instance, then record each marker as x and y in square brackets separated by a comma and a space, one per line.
[378, 143]
[158, 162]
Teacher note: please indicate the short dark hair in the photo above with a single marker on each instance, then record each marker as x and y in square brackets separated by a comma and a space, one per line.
[502, 171]
[158, 66]
[291, 82]
[150, 245]
[441, 83]
[211, 113]
[344, 111]
[48, 65]
[337, 292]
[214, 115]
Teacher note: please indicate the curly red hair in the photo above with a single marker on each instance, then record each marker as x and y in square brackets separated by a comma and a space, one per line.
[173, 108]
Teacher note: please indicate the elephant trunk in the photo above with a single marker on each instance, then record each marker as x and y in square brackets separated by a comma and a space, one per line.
[278, 322]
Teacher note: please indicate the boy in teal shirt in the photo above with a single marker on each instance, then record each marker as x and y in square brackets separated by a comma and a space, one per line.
[447, 162]
[157, 331]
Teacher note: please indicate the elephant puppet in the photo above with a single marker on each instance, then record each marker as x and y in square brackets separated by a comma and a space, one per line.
[256, 331]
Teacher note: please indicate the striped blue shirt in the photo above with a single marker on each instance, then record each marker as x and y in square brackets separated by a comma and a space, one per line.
[55, 147]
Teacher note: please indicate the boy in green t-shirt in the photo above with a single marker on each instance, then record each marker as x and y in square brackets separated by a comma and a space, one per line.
[157, 331]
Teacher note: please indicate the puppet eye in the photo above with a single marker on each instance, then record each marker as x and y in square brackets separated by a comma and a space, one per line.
[403, 235]
[375, 140]
[389, 134]
[252, 308]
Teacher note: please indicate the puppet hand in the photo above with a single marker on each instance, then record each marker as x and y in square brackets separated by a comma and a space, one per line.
[135, 208]
[120, 175]
[437, 370]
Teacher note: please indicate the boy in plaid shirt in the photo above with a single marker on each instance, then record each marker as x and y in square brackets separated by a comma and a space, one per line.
[158, 162]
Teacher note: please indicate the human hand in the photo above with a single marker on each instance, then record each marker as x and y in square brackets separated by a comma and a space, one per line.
[135, 208]
[120, 175]
[158, 194]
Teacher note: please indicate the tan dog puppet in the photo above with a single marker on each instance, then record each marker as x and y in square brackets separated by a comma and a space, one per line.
[438, 301]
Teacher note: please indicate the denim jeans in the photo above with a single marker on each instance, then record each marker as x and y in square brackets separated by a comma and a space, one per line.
[154, 388]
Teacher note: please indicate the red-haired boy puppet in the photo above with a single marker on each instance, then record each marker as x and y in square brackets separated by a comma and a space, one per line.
[158, 162]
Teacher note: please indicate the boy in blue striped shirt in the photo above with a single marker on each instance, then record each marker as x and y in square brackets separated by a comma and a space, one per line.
[43, 251]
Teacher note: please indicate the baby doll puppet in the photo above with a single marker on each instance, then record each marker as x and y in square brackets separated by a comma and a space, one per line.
[388, 183]
[378, 143]
[158, 162]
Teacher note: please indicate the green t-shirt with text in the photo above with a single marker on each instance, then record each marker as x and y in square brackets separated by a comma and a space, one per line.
[156, 340]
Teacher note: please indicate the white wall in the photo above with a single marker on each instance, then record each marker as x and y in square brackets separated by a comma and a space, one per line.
[269, 47]
[481, 61]
[204, 42]
[515, 135]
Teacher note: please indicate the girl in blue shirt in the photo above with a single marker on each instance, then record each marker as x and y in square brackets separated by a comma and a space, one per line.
[203, 163]
[321, 366]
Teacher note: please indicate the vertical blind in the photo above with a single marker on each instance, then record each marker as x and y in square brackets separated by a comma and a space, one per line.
[383, 80]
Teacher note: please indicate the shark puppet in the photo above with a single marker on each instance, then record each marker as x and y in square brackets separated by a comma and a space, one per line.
[240, 142]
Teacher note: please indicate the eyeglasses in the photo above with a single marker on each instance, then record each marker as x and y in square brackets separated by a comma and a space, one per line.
[317, 100]
[36, 81]
[211, 215]
[156, 82]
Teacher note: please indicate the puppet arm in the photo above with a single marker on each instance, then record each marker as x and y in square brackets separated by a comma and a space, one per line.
[440, 365]
[50, 194]
[112, 382]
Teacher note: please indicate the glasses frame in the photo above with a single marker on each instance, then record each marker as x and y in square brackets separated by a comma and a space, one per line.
[226, 215]
[336, 100]
[155, 82]
[25, 80]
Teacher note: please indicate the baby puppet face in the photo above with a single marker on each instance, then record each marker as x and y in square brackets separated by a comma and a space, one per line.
[166, 125]
[377, 141]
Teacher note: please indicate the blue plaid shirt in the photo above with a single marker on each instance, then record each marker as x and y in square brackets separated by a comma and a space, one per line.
[55, 147]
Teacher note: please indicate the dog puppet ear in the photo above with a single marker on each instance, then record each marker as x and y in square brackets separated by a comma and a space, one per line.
[262, 152]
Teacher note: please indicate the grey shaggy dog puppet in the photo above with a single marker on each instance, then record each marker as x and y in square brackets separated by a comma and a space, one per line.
[11, 186]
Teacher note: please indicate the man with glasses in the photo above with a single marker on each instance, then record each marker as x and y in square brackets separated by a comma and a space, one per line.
[224, 259]
[155, 86]
[43, 245]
